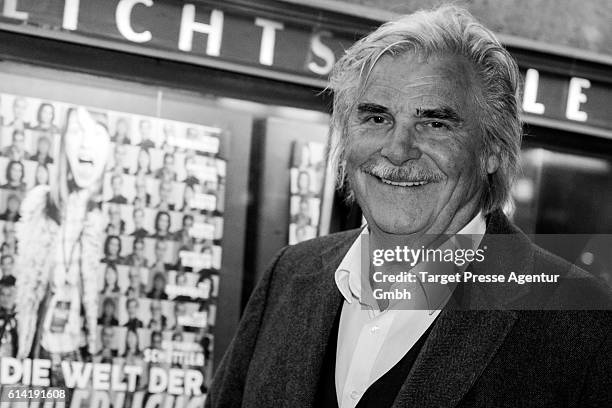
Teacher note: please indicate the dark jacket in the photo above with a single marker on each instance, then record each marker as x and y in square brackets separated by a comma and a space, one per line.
[485, 358]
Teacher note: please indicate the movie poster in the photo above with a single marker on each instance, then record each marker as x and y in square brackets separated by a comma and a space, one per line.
[307, 178]
[111, 227]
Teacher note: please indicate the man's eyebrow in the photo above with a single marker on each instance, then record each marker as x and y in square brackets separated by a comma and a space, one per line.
[442, 112]
[371, 108]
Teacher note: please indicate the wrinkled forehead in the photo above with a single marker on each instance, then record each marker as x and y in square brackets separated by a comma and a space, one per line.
[423, 79]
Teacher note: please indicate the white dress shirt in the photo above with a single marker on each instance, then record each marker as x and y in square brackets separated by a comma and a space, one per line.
[370, 341]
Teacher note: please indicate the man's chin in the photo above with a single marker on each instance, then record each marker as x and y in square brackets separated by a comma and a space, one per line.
[400, 224]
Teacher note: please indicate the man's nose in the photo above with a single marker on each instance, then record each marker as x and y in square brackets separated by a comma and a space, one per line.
[401, 145]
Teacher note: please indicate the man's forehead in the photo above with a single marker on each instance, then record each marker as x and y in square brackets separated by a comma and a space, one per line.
[412, 78]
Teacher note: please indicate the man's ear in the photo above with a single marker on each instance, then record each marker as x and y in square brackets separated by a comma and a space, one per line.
[492, 164]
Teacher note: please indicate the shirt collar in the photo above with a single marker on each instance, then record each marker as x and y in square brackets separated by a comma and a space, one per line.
[347, 275]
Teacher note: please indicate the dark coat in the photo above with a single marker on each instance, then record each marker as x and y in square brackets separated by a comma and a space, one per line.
[485, 358]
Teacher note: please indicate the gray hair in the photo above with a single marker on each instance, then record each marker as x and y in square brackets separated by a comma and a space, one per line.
[447, 30]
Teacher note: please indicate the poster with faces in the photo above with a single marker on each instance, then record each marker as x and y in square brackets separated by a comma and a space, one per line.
[307, 176]
[161, 199]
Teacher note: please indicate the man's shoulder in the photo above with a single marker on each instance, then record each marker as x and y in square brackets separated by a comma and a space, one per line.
[312, 255]
[556, 284]
[577, 289]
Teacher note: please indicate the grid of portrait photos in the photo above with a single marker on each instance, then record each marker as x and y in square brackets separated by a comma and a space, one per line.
[307, 178]
[163, 203]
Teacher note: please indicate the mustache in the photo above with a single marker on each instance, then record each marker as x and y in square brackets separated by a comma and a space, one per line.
[410, 172]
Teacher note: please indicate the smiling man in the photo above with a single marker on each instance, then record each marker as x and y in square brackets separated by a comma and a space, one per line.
[426, 139]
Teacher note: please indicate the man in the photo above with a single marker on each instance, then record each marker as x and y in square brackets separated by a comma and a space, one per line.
[20, 110]
[107, 352]
[160, 249]
[165, 196]
[146, 134]
[117, 188]
[426, 135]
[139, 230]
[132, 307]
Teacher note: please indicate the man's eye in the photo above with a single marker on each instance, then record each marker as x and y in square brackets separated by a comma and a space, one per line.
[437, 125]
[376, 119]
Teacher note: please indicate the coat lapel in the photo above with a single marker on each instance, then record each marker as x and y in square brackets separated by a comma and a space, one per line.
[321, 301]
[462, 342]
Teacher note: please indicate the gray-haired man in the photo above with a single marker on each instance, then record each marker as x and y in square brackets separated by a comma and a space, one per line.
[425, 137]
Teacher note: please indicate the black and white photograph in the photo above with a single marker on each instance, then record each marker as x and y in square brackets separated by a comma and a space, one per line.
[320, 203]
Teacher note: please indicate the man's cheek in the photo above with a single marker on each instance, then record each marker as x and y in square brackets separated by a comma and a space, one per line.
[360, 149]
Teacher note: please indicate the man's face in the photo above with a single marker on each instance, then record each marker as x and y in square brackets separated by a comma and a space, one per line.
[134, 276]
[413, 151]
[139, 249]
[132, 309]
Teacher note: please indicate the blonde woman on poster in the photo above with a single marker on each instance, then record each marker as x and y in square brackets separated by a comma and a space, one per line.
[60, 235]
